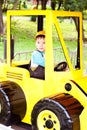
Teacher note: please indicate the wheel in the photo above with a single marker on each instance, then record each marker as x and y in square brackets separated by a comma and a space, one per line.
[50, 115]
[12, 103]
[5, 112]
[62, 66]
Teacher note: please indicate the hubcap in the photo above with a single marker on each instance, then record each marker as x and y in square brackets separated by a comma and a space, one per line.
[47, 120]
[49, 124]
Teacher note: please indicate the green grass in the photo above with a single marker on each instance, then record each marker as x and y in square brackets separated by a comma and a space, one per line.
[23, 30]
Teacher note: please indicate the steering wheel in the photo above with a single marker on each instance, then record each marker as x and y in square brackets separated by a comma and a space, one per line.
[62, 66]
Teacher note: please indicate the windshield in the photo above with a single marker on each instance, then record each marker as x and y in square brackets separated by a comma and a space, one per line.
[69, 36]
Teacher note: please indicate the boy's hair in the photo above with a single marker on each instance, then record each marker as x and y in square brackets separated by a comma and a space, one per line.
[40, 34]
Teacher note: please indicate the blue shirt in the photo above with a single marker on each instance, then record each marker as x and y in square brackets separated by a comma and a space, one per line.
[37, 59]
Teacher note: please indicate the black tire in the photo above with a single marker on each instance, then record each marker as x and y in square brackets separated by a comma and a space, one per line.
[49, 114]
[5, 112]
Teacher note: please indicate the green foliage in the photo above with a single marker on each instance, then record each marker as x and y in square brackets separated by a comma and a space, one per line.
[23, 32]
[22, 28]
[75, 5]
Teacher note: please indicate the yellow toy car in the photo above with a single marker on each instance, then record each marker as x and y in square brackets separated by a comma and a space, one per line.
[60, 101]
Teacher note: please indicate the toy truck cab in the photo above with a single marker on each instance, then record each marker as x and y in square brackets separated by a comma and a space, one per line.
[58, 102]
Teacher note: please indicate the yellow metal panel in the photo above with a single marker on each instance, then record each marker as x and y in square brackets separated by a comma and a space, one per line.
[8, 39]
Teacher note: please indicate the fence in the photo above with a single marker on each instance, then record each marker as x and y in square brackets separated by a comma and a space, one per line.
[58, 55]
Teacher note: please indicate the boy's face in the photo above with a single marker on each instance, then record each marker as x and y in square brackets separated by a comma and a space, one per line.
[40, 43]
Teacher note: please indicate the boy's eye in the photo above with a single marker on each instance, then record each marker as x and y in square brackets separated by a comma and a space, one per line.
[38, 42]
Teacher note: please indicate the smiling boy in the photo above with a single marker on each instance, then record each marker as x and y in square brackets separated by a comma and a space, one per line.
[38, 55]
[37, 64]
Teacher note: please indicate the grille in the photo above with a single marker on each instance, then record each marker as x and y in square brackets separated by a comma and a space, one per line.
[14, 75]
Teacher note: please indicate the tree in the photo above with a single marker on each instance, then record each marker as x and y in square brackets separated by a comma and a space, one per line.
[43, 3]
[1, 18]
[76, 5]
[56, 2]
[71, 5]
[4, 6]
[16, 2]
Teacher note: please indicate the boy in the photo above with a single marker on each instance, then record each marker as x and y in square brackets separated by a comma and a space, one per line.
[37, 59]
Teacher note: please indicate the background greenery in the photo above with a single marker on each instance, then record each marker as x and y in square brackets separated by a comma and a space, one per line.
[23, 32]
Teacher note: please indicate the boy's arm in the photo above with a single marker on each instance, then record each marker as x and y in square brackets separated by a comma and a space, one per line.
[37, 59]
